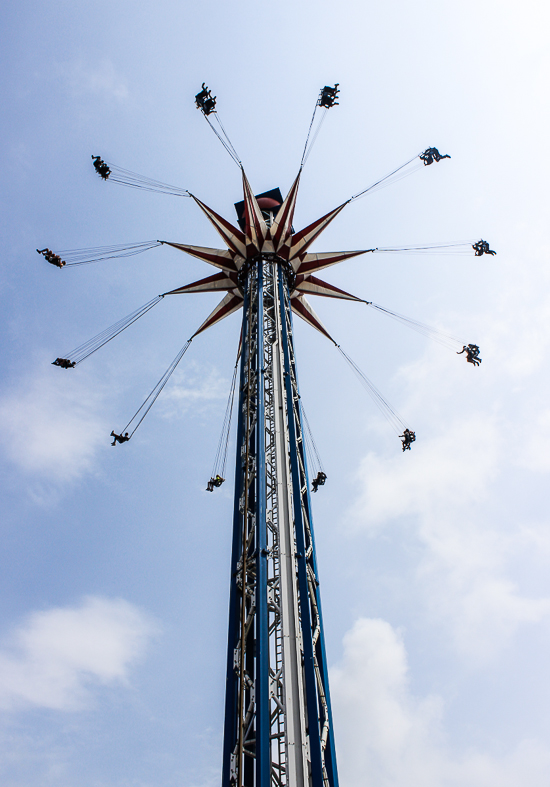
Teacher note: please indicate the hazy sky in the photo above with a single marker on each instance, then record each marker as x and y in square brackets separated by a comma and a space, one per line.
[433, 563]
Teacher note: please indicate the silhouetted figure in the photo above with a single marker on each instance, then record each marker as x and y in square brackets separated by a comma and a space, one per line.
[482, 247]
[216, 481]
[205, 101]
[407, 439]
[55, 259]
[120, 438]
[328, 96]
[472, 353]
[64, 363]
[101, 167]
[319, 481]
[430, 155]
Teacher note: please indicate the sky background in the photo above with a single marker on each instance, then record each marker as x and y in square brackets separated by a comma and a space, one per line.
[434, 564]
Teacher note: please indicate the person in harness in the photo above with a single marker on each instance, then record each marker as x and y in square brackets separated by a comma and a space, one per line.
[407, 439]
[120, 438]
[205, 101]
[49, 256]
[216, 481]
[328, 96]
[64, 363]
[472, 353]
[430, 155]
[319, 481]
[101, 167]
[481, 248]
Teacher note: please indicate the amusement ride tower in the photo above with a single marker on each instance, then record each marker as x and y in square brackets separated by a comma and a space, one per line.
[278, 722]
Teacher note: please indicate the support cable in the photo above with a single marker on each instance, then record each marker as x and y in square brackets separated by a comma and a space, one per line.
[142, 411]
[384, 181]
[308, 150]
[390, 414]
[318, 476]
[457, 247]
[79, 354]
[220, 461]
[311, 447]
[125, 177]
[443, 338]
[224, 139]
[307, 138]
[233, 151]
[69, 257]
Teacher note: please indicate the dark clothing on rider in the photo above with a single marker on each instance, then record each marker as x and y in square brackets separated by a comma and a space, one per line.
[101, 167]
[319, 481]
[54, 259]
[482, 247]
[215, 481]
[328, 96]
[119, 438]
[408, 437]
[430, 155]
[205, 101]
[472, 353]
[64, 363]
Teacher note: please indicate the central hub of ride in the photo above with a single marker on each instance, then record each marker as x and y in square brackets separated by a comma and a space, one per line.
[251, 263]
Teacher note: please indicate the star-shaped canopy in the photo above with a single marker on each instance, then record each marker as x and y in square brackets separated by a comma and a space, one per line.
[261, 238]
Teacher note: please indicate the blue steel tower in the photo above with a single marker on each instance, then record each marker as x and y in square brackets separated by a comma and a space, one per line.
[278, 723]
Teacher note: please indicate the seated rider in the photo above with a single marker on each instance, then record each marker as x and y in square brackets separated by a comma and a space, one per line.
[328, 96]
[430, 155]
[482, 247]
[408, 437]
[205, 101]
[119, 438]
[64, 363]
[55, 259]
[215, 481]
[319, 481]
[101, 167]
[472, 353]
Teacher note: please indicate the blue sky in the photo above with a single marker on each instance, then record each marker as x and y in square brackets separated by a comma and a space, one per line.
[434, 564]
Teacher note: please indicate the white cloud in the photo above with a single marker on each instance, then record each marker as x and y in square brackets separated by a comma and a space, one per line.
[390, 738]
[49, 426]
[56, 657]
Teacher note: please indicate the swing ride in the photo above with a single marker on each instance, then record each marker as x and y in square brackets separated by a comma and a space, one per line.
[278, 728]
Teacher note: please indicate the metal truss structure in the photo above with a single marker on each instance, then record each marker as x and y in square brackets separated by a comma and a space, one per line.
[278, 724]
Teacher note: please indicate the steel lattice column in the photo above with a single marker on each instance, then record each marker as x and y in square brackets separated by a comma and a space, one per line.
[278, 726]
